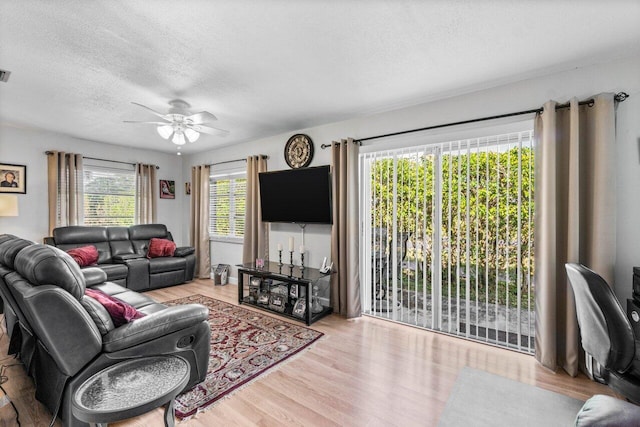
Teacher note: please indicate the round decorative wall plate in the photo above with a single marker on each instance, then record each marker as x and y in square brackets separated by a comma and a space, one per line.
[299, 151]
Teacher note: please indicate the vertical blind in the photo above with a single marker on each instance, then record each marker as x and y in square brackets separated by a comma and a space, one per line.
[448, 237]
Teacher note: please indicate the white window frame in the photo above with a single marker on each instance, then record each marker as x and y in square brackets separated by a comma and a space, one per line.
[222, 176]
[99, 166]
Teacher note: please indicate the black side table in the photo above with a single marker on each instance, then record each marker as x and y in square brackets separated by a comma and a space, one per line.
[131, 388]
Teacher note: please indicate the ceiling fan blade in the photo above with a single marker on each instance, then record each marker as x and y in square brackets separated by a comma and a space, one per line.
[153, 111]
[210, 130]
[202, 117]
[153, 123]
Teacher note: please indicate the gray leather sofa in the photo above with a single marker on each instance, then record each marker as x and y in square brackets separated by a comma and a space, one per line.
[122, 254]
[63, 336]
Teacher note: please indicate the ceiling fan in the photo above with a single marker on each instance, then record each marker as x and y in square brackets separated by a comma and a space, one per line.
[181, 125]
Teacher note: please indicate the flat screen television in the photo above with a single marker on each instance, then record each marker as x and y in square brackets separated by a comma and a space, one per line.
[301, 196]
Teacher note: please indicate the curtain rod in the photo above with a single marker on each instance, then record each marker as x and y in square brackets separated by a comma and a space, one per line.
[618, 97]
[48, 153]
[263, 156]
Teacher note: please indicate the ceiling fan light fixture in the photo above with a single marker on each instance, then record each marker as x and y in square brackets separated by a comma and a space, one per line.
[165, 131]
[192, 135]
[178, 138]
[179, 125]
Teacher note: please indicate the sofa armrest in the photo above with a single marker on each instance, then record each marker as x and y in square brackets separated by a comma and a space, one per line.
[154, 326]
[94, 276]
[62, 325]
[137, 273]
[183, 251]
[120, 259]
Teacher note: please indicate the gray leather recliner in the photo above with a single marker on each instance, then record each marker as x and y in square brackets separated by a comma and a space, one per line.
[65, 336]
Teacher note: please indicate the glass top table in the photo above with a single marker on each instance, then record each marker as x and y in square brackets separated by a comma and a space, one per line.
[131, 388]
[285, 271]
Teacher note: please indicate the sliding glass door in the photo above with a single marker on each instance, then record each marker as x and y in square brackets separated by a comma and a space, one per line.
[447, 241]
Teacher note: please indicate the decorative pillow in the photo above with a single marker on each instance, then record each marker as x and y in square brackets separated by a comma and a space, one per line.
[607, 411]
[120, 311]
[84, 255]
[160, 248]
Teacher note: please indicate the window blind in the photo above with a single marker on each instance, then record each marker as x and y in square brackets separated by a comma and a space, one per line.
[109, 195]
[227, 195]
[447, 239]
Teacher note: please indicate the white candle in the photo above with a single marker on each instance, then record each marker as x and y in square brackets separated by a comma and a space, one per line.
[290, 244]
[301, 249]
[279, 246]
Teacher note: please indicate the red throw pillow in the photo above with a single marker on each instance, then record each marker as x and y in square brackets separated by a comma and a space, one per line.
[84, 255]
[120, 311]
[160, 248]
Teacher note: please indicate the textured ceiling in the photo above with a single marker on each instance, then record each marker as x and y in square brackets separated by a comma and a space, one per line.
[268, 67]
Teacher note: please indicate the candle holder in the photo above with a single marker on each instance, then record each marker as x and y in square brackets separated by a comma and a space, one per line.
[302, 261]
[290, 258]
[280, 257]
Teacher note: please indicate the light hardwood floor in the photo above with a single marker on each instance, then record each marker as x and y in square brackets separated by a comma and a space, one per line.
[363, 372]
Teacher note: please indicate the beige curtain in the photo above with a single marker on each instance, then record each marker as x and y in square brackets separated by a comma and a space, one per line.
[65, 189]
[146, 194]
[345, 283]
[199, 230]
[256, 233]
[575, 217]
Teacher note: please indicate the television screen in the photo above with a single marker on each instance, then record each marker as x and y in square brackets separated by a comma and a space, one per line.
[300, 196]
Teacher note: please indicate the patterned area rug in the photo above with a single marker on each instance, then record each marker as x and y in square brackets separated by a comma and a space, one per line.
[244, 344]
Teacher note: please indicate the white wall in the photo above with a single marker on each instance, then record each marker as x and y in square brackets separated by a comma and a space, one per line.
[27, 147]
[621, 75]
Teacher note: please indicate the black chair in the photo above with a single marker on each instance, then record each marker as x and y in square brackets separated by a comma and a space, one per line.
[606, 333]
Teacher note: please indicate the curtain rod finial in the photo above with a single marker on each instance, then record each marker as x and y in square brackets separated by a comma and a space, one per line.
[621, 96]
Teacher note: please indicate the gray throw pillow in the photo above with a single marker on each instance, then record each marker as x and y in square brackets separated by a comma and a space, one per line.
[607, 411]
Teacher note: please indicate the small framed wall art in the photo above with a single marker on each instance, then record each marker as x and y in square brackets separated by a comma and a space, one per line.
[167, 189]
[13, 178]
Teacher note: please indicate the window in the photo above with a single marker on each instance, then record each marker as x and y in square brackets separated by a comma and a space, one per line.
[109, 194]
[227, 195]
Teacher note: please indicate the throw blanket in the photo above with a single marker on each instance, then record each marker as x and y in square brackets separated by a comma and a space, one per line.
[120, 311]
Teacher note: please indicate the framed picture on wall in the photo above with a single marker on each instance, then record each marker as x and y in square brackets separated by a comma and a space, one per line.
[167, 189]
[13, 178]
